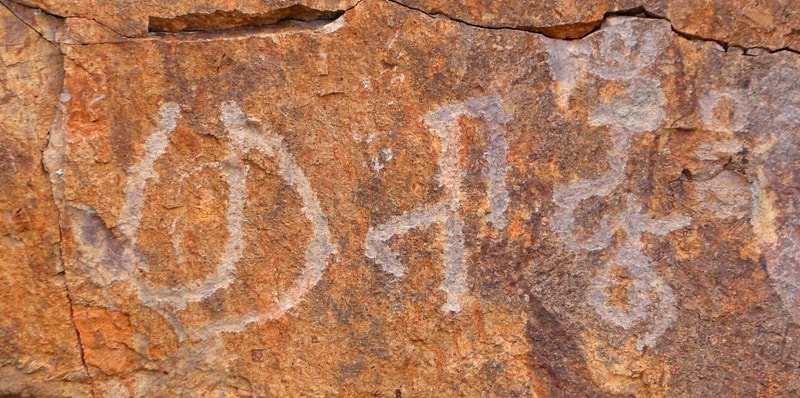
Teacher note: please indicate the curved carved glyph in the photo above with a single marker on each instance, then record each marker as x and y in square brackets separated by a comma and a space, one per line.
[618, 55]
[244, 135]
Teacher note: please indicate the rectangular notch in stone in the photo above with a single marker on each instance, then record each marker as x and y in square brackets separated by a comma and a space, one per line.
[224, 20]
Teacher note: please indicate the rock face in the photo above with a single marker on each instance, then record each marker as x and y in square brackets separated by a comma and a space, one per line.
[769, 25]
[39, 348]
[413, 198]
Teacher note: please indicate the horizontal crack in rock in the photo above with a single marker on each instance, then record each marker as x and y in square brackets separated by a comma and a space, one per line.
[579, 30]
[230, 21]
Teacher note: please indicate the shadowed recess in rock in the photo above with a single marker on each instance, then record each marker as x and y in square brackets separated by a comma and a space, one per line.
[223, 20]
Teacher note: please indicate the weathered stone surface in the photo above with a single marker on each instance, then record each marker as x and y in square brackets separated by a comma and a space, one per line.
[135, 18]
[390, 204]
[768, 24]
[556, 19]
[39, 351]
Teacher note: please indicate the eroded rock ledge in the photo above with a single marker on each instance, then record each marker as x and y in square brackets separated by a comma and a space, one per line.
[763, 27]
[405, 198]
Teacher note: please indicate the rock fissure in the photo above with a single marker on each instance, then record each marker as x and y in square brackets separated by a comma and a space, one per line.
[225, 20]
[70, 300]
[232, 22]
[60, 268]
[580, 30]
[52, 164]
[4, 3]
[78, 334]
[104, 25]
[61, 18]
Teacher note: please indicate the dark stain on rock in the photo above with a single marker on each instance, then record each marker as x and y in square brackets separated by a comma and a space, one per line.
[554, 354]
[95, 234]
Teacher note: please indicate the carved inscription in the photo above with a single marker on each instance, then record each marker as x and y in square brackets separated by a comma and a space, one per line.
[444, 123]
[244, 135]
[648, 296]
[637, 108]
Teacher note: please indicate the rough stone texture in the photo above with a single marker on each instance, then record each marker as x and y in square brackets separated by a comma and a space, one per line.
[135, 18]
[770, 24]
[39, 351]
[388, 203]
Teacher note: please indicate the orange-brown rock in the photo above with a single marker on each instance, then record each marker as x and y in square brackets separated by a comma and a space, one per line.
[770, 25]
[137, 18]
[39, 350]
[385, 203]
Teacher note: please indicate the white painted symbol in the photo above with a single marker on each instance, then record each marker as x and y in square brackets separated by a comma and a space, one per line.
[624, 53]
[444, 122]
[245, 135]
[628, 257]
